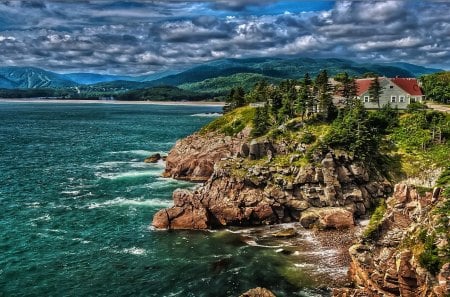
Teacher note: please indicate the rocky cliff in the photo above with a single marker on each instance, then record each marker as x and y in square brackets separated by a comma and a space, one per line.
[328, 194]
[193, 158]
[395, 261]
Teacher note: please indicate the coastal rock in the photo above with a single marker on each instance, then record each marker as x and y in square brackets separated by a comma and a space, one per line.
[185, 214]
[327, 218]
[242, 195]
[387, 264]
[153, 158]
[258, 292]
[193, 158]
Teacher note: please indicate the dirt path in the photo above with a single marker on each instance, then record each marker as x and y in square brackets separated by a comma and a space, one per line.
[439, 107]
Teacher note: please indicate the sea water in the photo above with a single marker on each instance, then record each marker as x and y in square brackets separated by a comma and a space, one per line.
[77, 201]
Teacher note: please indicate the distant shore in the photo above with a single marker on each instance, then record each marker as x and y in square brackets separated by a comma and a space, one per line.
[78, 101]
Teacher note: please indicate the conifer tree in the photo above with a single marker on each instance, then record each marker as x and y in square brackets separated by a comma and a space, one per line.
[348, 90]
[375, 91]
[261, 121]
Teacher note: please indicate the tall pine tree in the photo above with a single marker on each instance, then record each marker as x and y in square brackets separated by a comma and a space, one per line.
[375, 91]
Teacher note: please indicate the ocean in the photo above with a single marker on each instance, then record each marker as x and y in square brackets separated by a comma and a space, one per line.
[77, 202]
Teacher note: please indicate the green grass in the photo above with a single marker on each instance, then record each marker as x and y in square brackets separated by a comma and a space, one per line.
[372, 230]
[231, 123]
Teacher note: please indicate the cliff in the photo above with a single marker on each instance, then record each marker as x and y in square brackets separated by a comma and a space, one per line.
[407, 251]
[244, 185]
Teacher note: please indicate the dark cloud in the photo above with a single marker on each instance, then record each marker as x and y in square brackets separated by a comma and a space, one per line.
[238, 5]
[144, 36]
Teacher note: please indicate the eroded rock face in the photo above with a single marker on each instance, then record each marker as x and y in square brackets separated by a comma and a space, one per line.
[387, 266]
[327, 196]
[193, 158]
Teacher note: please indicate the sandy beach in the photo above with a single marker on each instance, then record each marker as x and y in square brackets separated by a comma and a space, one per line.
[77, 101]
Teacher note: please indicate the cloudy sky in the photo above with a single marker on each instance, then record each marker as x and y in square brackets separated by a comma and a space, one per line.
[136, 37]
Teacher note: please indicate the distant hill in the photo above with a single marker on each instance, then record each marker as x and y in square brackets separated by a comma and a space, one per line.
[214, 78]
[221, 85]
[416, 70]
[163, 93]
[94, 78]
[31, 78]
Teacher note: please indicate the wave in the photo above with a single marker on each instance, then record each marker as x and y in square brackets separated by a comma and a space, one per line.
[207, 114]
[129, 174]
[137, 152]
[120, 201]
[134, 251]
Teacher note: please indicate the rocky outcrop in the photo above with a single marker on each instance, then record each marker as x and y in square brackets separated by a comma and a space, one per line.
[388, 265]
[153, 158]
[258, 292]
[193, 158]
[326, 195]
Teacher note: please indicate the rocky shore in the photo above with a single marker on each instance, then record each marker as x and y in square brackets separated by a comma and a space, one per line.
[328, 194]
[242, 186]
[388, 265]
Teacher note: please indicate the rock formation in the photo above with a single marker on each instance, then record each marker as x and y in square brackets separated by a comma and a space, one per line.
[258, 292]
[326, 195]
[388, 265]
[193, 158]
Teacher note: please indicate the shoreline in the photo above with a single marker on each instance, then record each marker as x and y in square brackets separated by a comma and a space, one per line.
[78, 101]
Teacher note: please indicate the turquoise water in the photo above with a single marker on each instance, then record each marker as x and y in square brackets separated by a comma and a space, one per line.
[77, 201]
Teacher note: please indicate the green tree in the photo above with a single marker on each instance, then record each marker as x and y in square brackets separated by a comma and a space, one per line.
[261, 121]
[437, 86]
[348, 89]
[352, 132]
[375, 91]
[325, 97]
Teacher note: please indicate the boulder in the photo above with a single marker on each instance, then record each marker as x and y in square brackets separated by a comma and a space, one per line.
[258, 292]
[153, 158]
[327, 218]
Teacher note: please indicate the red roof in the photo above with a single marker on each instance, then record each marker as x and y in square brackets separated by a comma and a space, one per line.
[362, 85]
[409, 85]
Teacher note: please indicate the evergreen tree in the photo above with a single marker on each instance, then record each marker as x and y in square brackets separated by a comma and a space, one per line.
[310, 103]
[375, 91]
[348, 89]
[261, 121]
[277, 101]
[325, 97]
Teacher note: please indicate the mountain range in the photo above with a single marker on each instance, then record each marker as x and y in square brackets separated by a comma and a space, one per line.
[215, 77]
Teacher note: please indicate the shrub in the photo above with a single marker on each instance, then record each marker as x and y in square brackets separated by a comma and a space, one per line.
[372, 230]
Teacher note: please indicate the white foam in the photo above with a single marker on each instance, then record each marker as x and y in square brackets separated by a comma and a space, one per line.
[120, 201]
[33, 205]
[81, 240]
[129, 174]
[134, 251]
[71, 193]
[207, 114]
[45, 217]
[136, 152]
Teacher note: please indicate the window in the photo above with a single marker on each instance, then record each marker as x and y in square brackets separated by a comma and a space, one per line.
[391, 87]
[393, 98]
[401, 99]
[366, 98]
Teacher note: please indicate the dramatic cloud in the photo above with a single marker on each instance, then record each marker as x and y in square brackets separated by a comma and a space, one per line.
[135, 37]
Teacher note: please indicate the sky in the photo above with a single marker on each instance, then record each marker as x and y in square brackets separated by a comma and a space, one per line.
[139, 37]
